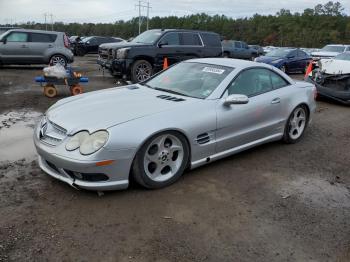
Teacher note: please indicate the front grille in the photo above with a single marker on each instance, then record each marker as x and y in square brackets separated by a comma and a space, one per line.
[51, 133]
[89, 177]
[104, 53]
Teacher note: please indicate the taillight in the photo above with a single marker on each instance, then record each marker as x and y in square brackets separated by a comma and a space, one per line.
[66, 41]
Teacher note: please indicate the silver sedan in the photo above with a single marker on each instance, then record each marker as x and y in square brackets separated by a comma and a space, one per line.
[189, 115]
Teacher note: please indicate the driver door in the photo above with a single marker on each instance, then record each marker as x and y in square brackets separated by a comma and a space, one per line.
[169, 47]
[16, 49]
[260, 118]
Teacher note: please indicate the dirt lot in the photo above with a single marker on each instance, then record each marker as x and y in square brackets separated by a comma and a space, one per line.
[274, 203]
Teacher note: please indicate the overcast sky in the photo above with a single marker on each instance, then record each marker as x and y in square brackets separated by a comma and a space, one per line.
[112, 10]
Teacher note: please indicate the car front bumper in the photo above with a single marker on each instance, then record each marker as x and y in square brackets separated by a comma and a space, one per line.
[339, 96]
[80, 172]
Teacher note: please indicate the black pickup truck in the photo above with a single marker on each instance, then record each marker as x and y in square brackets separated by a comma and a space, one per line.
[143, 56]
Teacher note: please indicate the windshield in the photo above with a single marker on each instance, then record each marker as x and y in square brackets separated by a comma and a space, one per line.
[278, 53]
[85, 39]
[190, 79]
[343, 56]
[333, 48]
[148, 37]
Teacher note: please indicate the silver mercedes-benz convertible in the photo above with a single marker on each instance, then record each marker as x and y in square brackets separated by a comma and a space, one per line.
[189, 115]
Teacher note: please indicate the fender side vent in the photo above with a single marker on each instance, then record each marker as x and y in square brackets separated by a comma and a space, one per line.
[171, 98]
[203, 138]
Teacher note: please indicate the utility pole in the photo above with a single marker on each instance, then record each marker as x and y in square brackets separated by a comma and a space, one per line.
[45, 14]
[140, 5]
[51, 22]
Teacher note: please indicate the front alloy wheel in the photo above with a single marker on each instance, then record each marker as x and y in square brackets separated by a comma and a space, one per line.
[161, 160]
[141, 70]
[296, 125]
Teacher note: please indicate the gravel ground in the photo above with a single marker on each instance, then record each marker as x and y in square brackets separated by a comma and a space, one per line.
[276, 202]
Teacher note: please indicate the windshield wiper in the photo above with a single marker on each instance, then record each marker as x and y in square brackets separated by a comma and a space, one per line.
[170, 91]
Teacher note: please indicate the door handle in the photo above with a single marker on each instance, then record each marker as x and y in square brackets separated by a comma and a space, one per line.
[24, 46]
[50, 45]
[277, 100]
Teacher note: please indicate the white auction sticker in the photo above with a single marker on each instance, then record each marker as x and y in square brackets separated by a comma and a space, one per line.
[213, 70]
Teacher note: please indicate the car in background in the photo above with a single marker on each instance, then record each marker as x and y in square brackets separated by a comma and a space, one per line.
[191, 114]
[238, 49]
[332, 78]
[289, 60]
[268, 49]
[25, 47]
[138, 59]
[329, 51]
[259, 49]
[90, 44]
[4, 29]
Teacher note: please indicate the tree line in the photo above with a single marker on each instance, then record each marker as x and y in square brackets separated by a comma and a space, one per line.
[314, 27]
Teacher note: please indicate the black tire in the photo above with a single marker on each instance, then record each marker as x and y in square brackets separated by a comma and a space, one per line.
[141, 70]
[138, 170]
[55, 59]
[226, 55]
[287, 138]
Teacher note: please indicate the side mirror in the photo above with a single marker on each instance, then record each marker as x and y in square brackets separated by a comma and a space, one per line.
[4, 40]
[236, 100]
[161, 44]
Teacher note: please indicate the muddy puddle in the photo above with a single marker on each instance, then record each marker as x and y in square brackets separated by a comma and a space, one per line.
[16, 135]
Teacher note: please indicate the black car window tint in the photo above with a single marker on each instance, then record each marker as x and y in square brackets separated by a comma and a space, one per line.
[237, 45]
[43, 38]
[17, 37]
[171, 39]
[191, 39]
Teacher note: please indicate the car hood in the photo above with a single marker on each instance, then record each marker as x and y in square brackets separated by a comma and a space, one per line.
[335, 67]
[268, 59]
[122, 45]
[325, 54]
[103, 109]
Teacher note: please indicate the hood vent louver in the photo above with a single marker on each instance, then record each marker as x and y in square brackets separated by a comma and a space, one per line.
[203, 138]
[171, 98]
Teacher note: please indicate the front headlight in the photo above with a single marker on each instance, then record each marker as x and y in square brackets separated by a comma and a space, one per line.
[87, 144]
[122, 53]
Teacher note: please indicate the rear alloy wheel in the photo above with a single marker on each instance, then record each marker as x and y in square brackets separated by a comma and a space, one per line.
[161, 160]
[141, 70]
[296, 125]
[58, 59]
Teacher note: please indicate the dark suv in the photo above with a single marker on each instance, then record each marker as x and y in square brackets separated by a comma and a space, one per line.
[138, 59]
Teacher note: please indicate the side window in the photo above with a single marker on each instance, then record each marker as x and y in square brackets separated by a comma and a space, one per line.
[191, 39]
[293, 54]
[93, 41]
[302, 54]
[17, 37]
[348, 49]
[43, 38]
[237, 45]
[251, 82]
[212, 40]
[244, 45]
[171, 39]
[278, 81]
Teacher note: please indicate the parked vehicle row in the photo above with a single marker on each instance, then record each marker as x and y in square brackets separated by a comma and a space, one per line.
[89, 45]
